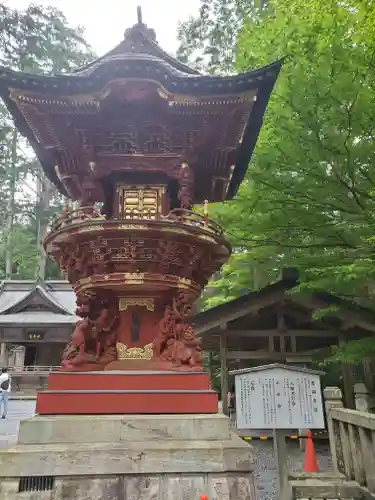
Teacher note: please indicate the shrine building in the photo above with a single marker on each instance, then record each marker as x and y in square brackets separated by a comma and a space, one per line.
[266, 326]
[272, 325]
[146, 138]
[149, 138]
[36, 321]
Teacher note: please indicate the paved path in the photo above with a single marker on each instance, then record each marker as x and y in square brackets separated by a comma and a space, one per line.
[18, 410]
[265, 467]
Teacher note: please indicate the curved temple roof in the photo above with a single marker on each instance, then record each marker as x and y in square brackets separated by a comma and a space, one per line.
[29, 303]
[243, 98]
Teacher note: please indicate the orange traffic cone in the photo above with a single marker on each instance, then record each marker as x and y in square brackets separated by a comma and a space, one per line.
[203, 497]
[311, 464]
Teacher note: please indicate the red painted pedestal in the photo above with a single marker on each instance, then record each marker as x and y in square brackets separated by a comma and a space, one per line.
[124, 392]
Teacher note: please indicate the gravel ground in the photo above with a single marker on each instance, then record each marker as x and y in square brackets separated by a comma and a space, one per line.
[265, 467]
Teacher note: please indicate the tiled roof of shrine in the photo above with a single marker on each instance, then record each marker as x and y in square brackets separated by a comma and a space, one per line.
[31, 303]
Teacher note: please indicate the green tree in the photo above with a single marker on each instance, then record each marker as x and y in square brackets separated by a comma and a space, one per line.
[308, 200]
[40, 40]
[311, 187]
[36, 40]
[207, 41]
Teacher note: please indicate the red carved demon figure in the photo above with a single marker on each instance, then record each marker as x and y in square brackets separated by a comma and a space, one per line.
[176, 342]
[93, 343]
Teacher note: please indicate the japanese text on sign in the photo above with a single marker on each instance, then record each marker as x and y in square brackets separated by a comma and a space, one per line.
[278, 399]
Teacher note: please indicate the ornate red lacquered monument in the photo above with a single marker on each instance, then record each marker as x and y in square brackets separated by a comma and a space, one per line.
[135, 139]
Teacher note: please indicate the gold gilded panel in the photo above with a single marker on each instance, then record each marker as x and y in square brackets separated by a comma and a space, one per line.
[126, 302]
[125, 352]
[140, 202]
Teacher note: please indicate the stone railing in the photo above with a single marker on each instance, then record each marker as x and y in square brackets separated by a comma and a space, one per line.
[32, 369]
[352, 443]
[352, 440]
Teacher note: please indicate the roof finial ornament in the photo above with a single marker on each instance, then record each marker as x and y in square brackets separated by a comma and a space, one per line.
[139, 14]
[140, 28]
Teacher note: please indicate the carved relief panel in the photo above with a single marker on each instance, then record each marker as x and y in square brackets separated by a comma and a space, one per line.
[139, 202]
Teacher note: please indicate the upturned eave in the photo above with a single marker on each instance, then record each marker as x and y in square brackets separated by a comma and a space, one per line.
[137, 67]
[143, 67]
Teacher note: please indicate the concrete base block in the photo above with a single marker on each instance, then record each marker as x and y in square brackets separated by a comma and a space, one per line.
[132, 457]
[228, 486]
[42, 430]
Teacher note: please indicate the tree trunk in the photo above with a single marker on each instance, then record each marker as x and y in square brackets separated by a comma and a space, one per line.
[11, 209]
[45, 194]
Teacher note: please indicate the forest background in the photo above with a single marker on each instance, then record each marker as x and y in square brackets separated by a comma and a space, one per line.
[308, 200]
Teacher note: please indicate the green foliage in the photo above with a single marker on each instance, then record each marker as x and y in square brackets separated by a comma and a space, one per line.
[39, 39]
[215, 370]
[353, 352]
[36, 40]
[313, 173]
[24, 253]
[207, 41]
[239, 276]
[308, 200]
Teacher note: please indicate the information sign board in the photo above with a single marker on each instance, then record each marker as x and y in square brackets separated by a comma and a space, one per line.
[278, 397]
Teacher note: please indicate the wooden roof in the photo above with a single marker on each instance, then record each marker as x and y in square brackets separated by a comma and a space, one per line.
[249, 321]
[210, 121]
[30, 303]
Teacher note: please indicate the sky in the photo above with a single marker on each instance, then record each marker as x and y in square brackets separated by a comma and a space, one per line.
[106, 20]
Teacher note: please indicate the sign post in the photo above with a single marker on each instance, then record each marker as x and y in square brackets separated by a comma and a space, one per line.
[281, 398]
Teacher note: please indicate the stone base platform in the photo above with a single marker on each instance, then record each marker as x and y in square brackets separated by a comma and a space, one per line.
[127, 392]
[161, 457]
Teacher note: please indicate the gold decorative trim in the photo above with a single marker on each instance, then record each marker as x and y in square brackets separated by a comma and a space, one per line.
[126, 302]
[85, 281]
[93, 99]
[131, 226]
[134, 276]
[168, 281]
[184, 281]
[173, 230]
[125, 352]
[91, 228]
[207, 238]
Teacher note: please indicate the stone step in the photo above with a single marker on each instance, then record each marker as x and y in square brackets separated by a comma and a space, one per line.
[119, 428]
[104, 402]
[132, 457]
[323, 486]
[128, 380]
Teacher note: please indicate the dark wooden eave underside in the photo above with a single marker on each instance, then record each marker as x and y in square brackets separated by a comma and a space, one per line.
[94, 78]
